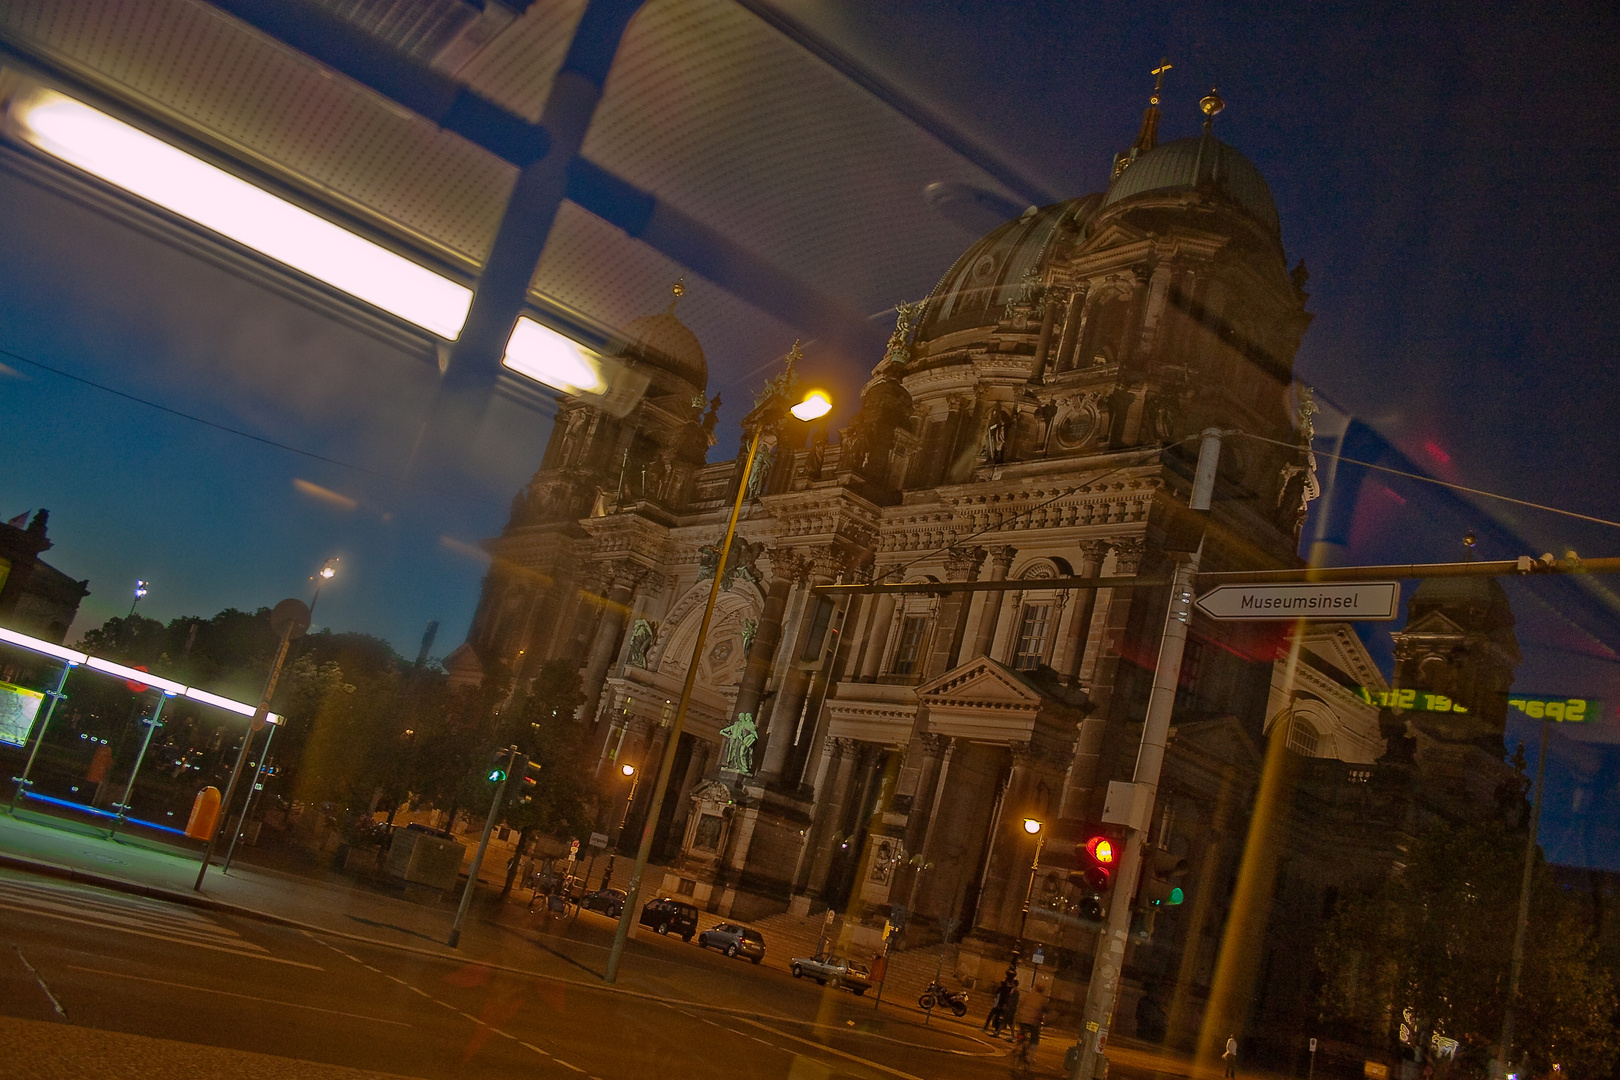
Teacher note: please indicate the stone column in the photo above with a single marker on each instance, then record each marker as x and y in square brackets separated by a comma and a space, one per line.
[1133, 317]
[794, 683]
[961, 564]
[830, 812]
[1081, 782]
[1071, 328]
[1055, 296]
[1001, 558]
[1074, 646]
[784, 569]
[1008, 871]
[930, 749]
[621, 582]
[877, 637]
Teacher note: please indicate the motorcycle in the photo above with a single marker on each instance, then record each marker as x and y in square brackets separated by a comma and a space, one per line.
[937, 994]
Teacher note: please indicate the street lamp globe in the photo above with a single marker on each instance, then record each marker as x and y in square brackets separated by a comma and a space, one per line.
[1031, 826]
[816, 404]
[628, 770]
[329, 570]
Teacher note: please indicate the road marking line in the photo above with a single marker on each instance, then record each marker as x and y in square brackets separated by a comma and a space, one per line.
[419, 990]
[107, 908]
[169, 937]
[57, 1005]
[830, 1050]
[566, 1065]
[533, 1047]
[368, 967]
[110, 918]
[229, 993]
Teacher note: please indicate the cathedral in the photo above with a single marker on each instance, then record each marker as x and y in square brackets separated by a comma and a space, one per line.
[1034, 418]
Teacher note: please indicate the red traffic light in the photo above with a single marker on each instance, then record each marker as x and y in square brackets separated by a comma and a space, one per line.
[1101, 850]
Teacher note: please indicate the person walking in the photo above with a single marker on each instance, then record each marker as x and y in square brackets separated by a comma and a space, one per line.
[1231, 1055]
[1009, 1010]
[997, 1000]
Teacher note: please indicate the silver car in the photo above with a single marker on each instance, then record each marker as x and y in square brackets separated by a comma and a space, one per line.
[734, 940]
[831, 968]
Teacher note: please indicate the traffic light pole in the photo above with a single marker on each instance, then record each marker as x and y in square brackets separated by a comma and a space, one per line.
[1504, 1046]
[483, 845]
[1103, 989]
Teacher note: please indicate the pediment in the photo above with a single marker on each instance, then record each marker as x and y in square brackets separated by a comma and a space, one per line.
[1222, 740]
[712, 791]
[1113, 235]
[1434, 622]
[463, 666]
[1338, 644]
[980, 681]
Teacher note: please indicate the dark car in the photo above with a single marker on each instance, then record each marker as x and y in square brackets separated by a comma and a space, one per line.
[734, 940]
[668, 915]
[609, 902]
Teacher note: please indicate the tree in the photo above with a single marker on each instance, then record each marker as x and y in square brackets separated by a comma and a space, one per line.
[544, 729]
[1433, 944]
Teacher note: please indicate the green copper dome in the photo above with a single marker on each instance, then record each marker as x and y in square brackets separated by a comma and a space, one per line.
[1198, 161]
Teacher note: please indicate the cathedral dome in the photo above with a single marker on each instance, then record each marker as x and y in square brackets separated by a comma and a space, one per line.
[991, 273]
[664, 342]
[1186, 164]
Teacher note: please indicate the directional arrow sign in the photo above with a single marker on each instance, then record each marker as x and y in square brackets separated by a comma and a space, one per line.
[1361, 600]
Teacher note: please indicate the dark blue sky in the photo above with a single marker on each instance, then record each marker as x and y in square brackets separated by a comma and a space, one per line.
[1448, 174]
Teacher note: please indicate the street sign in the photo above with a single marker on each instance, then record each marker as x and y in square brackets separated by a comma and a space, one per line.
[598, 840]
[1360, 600]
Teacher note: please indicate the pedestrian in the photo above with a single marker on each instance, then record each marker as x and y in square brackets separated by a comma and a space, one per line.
[1231, 1055]
[997, 998]
[1030, 1015]
[1009, 1010]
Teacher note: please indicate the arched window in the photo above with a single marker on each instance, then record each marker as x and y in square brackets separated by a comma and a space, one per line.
[1303, 739]
[1105, 331]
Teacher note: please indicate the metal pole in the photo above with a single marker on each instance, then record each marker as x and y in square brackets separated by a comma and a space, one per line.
[632, 895]
[55, 694]
[247, 804]
[1505, 1046]
[122, 806]
[1103, 990]
[483, 843]
[241, 755]
[1029, 892]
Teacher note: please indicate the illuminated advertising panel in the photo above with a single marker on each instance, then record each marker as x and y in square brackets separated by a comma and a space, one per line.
[1556, 707]
[18, 707]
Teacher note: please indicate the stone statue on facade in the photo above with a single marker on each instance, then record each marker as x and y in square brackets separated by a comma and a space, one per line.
[738, 753]
[641, 639]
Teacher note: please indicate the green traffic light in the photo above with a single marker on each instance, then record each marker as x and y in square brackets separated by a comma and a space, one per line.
[497, 775]
[1176, 896]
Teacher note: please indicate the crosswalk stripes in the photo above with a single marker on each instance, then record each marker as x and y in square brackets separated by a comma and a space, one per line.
[133, 915]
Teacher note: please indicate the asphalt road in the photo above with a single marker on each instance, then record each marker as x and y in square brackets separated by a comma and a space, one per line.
[90, 979]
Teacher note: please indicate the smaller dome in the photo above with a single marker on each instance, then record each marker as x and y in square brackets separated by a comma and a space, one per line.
[664, 341]
[1181, 165]
[1483, 591]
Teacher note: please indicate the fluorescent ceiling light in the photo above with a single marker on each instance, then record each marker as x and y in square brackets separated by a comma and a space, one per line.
[217, 200]
[540, 353]
[168, 686]
[241, 708]
[24, 641]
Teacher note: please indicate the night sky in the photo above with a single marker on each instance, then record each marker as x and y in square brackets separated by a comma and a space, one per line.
[1447, 174]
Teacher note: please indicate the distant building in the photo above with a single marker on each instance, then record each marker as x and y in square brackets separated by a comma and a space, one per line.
[35, 597]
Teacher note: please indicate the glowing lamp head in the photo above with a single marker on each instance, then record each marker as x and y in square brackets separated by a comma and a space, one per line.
[329, 570]
[814, 406]
[1101, 850]
[140, 588]
[1031, 826]
[628, 770]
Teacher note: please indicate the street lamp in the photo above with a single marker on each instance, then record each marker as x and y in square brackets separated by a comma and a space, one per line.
[813, 405]
[327, 571]
[140, 593]
[1032, 826]
[629, 771]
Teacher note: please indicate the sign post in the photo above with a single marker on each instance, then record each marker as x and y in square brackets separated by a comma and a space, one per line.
[1378, 601]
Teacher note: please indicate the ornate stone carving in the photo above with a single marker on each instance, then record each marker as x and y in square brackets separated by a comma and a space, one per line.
[1093, 551]
[739, 563]
[1002, 555]
[1128, 555]
[962, 564]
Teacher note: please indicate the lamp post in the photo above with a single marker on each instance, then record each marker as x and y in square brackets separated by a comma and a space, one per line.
[140, 593]
[624, 818]
[1033, 827]
[322, 576]
[814, 404]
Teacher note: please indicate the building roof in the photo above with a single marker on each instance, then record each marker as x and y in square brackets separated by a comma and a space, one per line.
[1194, 162]
[664, 341]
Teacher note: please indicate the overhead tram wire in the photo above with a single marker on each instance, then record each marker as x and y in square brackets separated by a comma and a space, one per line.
[21, 359]
[1432, 480]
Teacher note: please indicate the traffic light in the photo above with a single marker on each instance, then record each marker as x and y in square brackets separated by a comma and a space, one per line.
[1098, 855]
[527, 774]
[1161, 870]
[500, 762]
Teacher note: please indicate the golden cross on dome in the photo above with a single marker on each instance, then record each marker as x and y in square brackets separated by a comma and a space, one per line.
[1158, 82]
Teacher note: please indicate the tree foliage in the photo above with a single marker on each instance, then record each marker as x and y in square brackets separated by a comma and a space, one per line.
[1436, 939]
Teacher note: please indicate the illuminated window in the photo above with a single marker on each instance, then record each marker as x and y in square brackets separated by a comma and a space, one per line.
[912, 632]
[1033, 626]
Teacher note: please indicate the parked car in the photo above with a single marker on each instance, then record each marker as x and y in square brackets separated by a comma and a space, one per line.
[734, 940]
[609, 902]
[831, 968]
[668, 915]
